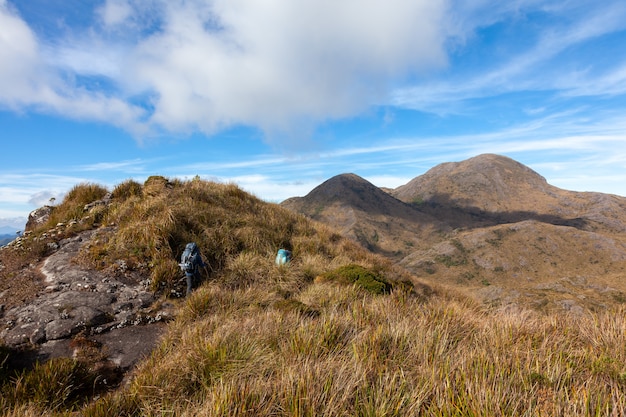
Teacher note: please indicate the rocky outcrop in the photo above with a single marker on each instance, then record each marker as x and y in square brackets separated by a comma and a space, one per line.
[105, 201]
[38, 217]
[81, 300]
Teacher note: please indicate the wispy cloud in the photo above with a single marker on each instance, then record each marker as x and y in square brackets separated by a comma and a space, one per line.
[572, 155]
[538, 67]
[186, 66]
[22, 193]
[134, 166]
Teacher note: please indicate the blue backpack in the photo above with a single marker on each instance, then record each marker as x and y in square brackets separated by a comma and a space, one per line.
[189, 258]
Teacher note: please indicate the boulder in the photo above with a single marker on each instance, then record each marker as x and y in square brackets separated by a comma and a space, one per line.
[38, 217]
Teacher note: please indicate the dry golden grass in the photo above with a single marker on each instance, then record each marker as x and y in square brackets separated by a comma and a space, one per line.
[235, 353]
[72, 206]
[262, 340]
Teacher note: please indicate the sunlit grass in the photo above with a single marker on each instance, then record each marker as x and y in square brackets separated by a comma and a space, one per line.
[382, 355]
[309, 339]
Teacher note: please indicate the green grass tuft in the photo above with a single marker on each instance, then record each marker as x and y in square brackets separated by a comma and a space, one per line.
[361, 277]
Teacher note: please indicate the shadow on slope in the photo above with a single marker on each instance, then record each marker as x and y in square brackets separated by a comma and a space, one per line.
[446, 209]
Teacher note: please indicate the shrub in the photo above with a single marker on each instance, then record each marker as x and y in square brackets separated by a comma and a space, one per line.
[361, 277]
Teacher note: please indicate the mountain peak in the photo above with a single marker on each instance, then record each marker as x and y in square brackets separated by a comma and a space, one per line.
[343, 189]
[486, 182]
[367, 214]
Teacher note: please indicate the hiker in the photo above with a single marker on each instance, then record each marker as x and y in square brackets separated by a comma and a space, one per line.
[283, 257]
[190, 263]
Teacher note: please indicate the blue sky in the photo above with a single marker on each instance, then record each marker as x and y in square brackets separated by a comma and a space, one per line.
[278, 96]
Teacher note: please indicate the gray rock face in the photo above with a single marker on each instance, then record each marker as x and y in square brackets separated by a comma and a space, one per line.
[77, 299]
[37, 217]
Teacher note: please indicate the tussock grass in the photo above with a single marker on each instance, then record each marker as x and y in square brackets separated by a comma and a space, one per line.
[366, 354]
[72, 206]
[259, 340]
[58, 384]
[237, 232]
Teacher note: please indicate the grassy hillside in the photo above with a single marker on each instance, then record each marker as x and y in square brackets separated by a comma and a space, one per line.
[337, 351]
[530, 264]
[338, 332]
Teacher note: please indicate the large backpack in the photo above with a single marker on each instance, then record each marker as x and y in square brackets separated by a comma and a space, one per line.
[189, 257]
[283, 257]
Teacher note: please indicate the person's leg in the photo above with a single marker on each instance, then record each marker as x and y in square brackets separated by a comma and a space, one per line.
[189, 283]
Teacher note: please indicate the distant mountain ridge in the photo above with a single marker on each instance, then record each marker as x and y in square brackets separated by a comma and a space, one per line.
[8, 234]
[8, 230]
[489, 225]
[362, 211]
[4, 239]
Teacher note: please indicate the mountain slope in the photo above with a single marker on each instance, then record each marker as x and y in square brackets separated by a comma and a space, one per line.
[502, 233]
[530, 264]
[519, 239]
[365, 213]
[97, 276]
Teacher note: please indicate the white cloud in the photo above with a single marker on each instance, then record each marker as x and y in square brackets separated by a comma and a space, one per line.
[127, 166]
[27, 80]
[388, 181]
[22, 193]
[278, 64]
[19, 59]
[44, 197]
[15, 223]
[608, 83]
[206, 65]
[269, 188]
